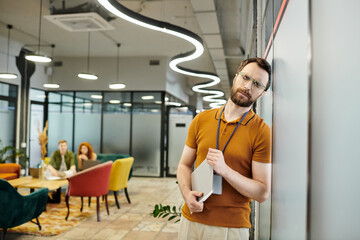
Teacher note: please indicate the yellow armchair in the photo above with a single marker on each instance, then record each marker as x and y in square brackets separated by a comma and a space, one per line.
[119, 177]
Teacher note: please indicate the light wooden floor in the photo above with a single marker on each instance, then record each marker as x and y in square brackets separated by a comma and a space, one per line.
[131, 221]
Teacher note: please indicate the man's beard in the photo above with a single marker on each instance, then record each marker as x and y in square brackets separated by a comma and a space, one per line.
[238, 100]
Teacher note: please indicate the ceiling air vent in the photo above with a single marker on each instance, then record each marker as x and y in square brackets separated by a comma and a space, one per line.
[80, 22]
[154, 62]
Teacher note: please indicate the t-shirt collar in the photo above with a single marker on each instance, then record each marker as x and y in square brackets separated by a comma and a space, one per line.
[250, 115]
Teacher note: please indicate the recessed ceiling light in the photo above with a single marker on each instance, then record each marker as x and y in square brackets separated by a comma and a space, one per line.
[88, 104]
[113, 101]
[158, 102]
[127, 104]
[51, 85]
[96, 96]
[147, 97]
[117, 86]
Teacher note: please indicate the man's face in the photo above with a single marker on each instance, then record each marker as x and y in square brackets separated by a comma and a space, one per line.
[244, 93]
[63, 148]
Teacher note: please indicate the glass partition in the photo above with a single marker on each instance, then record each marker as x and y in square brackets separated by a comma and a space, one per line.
[88, 119]
[146, 133]
[116, 123]
[7, 120]
[8, 102]
[60, 120]
[112, 122]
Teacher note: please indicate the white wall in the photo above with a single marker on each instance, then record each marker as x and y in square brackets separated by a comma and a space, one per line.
[290, 130]
[335, 158]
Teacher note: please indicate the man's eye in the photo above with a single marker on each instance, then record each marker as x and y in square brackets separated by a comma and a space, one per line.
[257, 84]
[246, 77]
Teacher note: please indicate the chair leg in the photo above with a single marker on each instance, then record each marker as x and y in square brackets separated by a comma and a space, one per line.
[116, 200]
[98, 209]
[127, 195]
[89, 201]
[82, 203]
[3, 233]
[38, 223]
[68, 207]
[106, 203]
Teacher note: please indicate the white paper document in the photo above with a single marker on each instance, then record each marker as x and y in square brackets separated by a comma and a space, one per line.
[203, 179]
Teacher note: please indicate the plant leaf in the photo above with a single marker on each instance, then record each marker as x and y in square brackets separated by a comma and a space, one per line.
[171, 218]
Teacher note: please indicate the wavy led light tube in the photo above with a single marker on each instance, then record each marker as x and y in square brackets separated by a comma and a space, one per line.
[119, 10]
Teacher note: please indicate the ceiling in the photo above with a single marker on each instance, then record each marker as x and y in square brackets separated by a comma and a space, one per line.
[218, 23]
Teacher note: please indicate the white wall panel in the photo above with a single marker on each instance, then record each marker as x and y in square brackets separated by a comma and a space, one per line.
[335, 159]
[290, 124]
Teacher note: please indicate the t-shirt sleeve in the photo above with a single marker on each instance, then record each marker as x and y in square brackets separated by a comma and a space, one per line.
[52, 160]
[262, 148]
[191, 136]
[72, 159]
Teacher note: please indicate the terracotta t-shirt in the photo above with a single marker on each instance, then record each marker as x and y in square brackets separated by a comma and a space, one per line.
[250, 142]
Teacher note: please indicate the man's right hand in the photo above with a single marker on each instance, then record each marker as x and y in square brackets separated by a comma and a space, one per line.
[52, 170]
[192, 203]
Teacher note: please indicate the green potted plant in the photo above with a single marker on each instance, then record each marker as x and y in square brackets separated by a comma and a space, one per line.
[10, 153]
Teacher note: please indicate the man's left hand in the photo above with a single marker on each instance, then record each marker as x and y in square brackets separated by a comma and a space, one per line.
[216, 160]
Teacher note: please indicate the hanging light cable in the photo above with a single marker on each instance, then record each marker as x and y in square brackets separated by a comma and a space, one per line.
[38, 57]
[51, 84]
[7, 75]
[117, 85]
[87, 75]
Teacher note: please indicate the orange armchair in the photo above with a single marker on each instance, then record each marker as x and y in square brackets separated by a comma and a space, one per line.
[119, 177]
[92, 182]
[9, 171]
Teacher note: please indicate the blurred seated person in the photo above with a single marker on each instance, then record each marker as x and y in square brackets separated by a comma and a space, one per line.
[62, 161]
[85, 152]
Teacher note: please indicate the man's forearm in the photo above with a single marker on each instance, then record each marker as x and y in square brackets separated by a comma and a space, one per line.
[184, 179]
[246, 186]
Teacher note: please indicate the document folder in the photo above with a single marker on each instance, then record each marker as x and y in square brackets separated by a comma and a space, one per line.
[203, 179]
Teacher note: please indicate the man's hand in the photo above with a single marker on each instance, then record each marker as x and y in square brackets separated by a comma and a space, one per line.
[192, 203]
[52, 171]
[216, 160]
[61, 174]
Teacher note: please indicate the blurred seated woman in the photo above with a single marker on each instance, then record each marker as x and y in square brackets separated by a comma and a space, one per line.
[85, 152]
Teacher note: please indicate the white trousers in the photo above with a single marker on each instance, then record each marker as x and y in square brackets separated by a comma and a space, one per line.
[189, 230]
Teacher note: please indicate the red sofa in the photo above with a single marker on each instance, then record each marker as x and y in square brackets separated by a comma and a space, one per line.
[9, 171]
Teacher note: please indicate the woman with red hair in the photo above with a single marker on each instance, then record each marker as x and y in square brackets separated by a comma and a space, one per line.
[85, 152]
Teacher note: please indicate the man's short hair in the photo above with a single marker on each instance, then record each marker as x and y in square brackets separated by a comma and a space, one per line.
[262, 63]
[62, 141]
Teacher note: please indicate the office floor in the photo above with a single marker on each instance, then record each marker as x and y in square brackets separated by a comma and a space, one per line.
[131, 221]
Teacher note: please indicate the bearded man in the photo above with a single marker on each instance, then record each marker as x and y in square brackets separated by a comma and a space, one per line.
[237, 144]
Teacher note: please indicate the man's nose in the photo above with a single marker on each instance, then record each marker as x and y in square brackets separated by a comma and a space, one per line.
[248, 84]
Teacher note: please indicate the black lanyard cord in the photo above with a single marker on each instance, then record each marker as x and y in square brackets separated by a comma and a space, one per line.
[218, 130]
